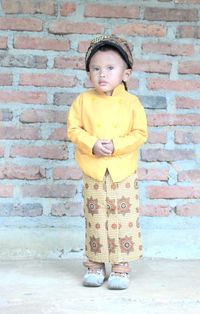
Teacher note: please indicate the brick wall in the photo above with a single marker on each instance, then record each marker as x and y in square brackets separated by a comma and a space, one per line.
[42, 47]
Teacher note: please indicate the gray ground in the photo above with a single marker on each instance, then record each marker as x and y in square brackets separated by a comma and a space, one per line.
[158, 286]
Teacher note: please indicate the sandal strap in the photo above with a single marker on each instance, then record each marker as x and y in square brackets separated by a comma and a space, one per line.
[121, 268]
[112, 274]
[93, 265]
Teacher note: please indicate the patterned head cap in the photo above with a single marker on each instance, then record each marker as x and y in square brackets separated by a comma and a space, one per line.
[118, 43]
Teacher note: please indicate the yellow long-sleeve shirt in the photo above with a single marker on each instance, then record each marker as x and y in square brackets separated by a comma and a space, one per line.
[120, 118]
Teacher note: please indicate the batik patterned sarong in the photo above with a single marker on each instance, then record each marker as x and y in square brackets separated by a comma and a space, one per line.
[112, 219]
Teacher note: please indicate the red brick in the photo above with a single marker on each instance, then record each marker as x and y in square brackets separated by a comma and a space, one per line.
[189, 209]
[155, 210]
[187, 119]
[67, 173]
[83, 46]
[188, 31]
[49, 191]
[189, 67]
[152, 66]
[56, 152]
[173, 192]
[165, 119]
[23, 61]
[174, 85]
[67, 209]
[5, 79]
[1, 151]
[169, 49]
[17, 133]
[187, 103]
[153, 102]
[141, 30]
[26, 42]
[3, 42]
[157, 137]
[67, 8]
[112, 11]
[21, 172]
[50, 80]
[27, 210]
[158, 154]
[58, 134]
[153, 174]
[177, 15]
[29, 6]
[24, 97]
[23, 210]
[64, 98]
[45, 116]
[21, 24]
[64, 27]
[189, 175]
[6, 191]
[187, 137]
[133, 83]
[69, 63]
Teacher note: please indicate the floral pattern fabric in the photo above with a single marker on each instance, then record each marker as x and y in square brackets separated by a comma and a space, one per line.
[112, 219]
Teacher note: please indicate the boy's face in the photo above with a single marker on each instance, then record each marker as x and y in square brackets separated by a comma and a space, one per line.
[107, 71]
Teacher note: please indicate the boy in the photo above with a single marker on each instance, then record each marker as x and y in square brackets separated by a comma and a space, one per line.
[107, 125]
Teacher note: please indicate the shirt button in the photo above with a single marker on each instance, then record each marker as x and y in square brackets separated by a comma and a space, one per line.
[121, 101]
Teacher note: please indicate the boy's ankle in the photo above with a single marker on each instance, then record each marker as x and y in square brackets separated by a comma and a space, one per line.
[122, 267]
[93, 265]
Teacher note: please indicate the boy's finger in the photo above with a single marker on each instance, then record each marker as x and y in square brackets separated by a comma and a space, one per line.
[106, 151]
[105, 141]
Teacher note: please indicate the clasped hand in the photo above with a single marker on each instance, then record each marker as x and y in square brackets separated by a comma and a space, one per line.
[103, 148]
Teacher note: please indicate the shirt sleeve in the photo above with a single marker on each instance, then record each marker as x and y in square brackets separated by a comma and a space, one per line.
[138, 135]
[75, 131]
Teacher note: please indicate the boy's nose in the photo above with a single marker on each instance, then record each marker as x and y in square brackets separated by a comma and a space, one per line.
[102, 72]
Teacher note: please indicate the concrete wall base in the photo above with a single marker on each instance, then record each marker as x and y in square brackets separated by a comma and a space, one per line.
[172, 237]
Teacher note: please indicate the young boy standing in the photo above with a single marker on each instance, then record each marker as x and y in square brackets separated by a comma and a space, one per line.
[107, 124]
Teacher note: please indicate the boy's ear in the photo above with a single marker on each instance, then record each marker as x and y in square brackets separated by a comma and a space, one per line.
[127, 74]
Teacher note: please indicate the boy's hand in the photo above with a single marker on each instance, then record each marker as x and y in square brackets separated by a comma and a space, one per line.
[103, 148]
[109, 145]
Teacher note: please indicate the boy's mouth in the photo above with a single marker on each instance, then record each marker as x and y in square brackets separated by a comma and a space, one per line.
[102, 83]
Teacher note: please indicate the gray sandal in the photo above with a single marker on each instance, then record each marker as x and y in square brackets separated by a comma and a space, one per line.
[119, 277]
[95, 275]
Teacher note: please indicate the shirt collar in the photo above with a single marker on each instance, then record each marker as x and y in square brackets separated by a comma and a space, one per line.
[116, 92]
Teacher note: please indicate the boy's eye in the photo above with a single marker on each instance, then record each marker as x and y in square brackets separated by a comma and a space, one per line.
[96, 69]
[110, 67]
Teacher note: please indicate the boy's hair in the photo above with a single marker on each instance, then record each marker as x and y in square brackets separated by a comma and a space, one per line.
[112, 41]
[108, 47]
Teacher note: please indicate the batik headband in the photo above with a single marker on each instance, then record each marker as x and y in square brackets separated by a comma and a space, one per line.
[118, 43]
